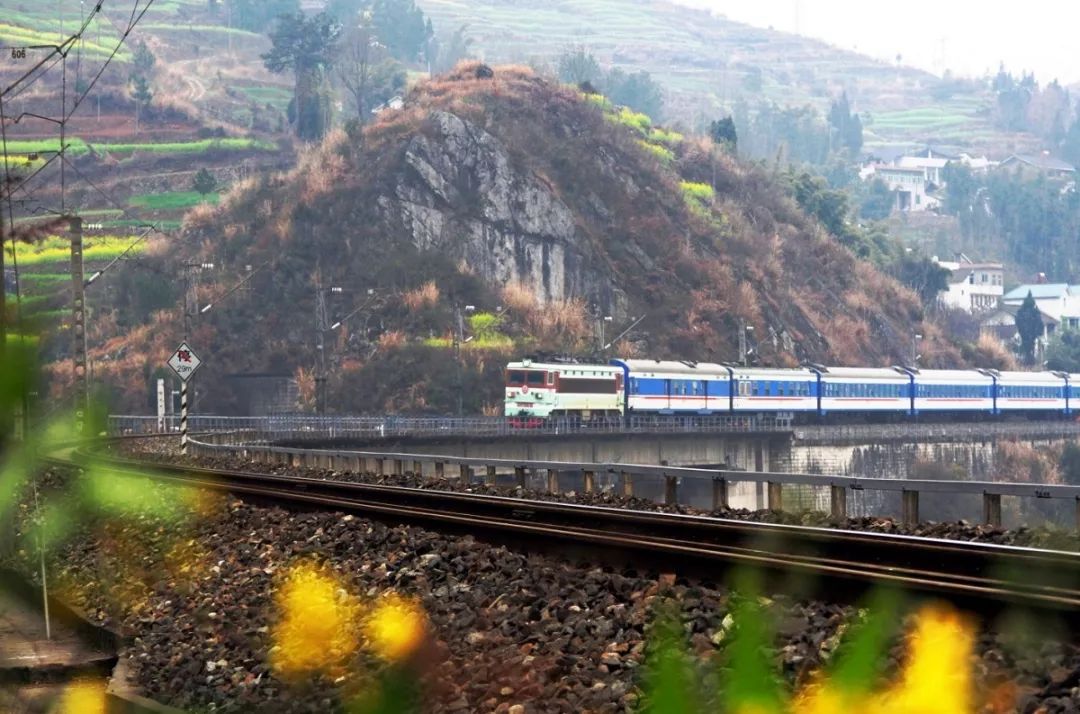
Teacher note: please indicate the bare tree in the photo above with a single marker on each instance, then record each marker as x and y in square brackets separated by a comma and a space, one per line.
[366, 69]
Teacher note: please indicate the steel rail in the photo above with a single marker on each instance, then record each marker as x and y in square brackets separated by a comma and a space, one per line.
[977, 576]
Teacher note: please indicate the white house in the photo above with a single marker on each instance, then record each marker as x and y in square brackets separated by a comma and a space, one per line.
[932, 167]
[909, 185]
[1060, 301]
[973, 287]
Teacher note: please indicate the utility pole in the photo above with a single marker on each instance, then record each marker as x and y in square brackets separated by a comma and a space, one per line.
[322, 324]
[744, 348]
[78, 324]
[458, 339]
[915, 337]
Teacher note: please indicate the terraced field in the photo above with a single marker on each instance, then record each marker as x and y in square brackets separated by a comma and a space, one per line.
[707, 63]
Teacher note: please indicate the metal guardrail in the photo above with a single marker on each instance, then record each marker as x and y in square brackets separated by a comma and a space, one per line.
[839, 486]
[309, 428]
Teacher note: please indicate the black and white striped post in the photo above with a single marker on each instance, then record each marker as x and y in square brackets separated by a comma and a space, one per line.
[183, 418]
[184, 362]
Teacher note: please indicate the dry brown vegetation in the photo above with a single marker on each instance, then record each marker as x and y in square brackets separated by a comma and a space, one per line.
[425, 296]
[749, 255]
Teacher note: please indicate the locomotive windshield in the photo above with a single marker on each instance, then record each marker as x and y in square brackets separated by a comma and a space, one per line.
[521, 378]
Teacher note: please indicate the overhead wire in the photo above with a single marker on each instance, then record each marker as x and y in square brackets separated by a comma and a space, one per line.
[58, 54]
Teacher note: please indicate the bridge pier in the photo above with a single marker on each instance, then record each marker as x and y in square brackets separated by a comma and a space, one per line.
[490, 478]
[519, 476]
[671, 490]
[552, 481]
[590, 481]
[992, 509]
[776, 496]
[719, 494]
[627, 484]
[838, 502]
[910, 506]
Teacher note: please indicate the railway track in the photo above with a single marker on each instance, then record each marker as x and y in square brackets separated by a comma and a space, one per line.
[829, 563]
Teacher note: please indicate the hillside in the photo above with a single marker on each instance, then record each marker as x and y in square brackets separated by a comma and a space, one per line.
[212, 107]
[536, 205]
[706, 64]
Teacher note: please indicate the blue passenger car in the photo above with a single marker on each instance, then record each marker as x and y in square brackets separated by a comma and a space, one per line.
[658, 387]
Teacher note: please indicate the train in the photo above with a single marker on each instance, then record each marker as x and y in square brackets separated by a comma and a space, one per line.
[627, 387]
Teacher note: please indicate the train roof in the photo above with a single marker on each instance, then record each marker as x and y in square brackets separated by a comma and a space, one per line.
[563, 366]
[864, 373]
[700, 369]
[953, 376]
[1030, 378]
[773, 373]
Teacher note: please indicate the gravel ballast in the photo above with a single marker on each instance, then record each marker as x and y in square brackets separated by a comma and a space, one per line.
[510, 632]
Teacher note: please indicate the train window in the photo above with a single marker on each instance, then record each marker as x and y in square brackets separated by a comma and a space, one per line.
[536, 379]
[515, 378]
[551, 378]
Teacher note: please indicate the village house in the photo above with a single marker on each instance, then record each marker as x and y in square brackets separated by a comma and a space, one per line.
[1043, 164]
[1060, 301]
[973, 287]
[909, 186]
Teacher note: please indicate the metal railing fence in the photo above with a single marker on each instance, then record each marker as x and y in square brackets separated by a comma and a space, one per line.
[312, 428]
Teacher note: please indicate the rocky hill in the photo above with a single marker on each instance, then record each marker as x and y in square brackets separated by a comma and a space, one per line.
[540, 207]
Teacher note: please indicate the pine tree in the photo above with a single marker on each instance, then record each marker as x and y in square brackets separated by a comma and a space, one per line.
[204, 182]
[1030, 326]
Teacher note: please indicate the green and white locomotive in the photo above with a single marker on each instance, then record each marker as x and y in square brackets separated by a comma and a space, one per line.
[548, 389]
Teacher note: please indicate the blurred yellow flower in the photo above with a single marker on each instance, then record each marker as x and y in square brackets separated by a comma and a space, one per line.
[317, 626]
[396, 627]
[936, 678]
[83, 697]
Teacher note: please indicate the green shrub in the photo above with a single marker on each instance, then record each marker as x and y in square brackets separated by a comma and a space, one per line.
[662, 153]
[629, 118]
[701, 192]
[599, 100]
[665, 136]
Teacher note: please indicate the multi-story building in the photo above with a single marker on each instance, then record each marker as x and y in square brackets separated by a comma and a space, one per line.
[973, 287]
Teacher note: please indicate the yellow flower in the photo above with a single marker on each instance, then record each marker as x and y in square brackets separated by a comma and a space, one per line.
[83, 697]
[396, 627]
[317, 629]
[936, 678]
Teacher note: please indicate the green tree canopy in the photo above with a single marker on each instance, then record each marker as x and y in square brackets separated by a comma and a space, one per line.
[259, 15]
[722, 132]
[877, 202]
[637, 91]
[204, 182]
[924, 276]
[308, 47]
[1063, 352]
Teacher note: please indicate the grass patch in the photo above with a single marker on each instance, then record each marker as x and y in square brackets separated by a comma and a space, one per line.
[190, 147]
[76, 146]
[58, 250]
[198, 29]
[172, 201]
[131, 223]
[276, 96]
[26, 36]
